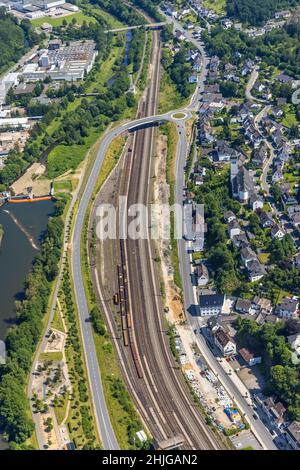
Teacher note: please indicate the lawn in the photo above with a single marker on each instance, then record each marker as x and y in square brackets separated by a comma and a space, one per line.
[60, 407]
[111, 21]
[66, 157]
[218, 6]
[264, 258]
[169, 98]
[80, 18]
[51, 356]
[289, 119]
[57, 323]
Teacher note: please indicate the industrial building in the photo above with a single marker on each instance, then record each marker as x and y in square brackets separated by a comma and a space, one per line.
[61, 61]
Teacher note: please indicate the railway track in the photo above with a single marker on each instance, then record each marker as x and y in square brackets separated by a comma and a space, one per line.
[152, 375]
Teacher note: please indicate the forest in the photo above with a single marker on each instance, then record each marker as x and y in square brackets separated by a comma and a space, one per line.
[15, 39]
[258, 12]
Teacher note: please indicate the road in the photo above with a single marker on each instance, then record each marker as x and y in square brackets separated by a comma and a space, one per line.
[101, 413]
[250, 85]
[267, 165]
[194, 104]
[130, 28]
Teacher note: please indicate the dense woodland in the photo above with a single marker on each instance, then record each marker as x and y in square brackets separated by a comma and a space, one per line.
[15, 39]
[257, 12]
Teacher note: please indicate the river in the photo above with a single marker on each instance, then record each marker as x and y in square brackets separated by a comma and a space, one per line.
[23, 225]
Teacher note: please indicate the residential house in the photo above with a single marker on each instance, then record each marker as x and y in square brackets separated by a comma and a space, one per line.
[211, 304]
[197, 64]
[275, 411]
[284, 79]
[294, 342]
[205, 133]
[193, 79]
[297, 260]
[243, 306]
[225, 343]
[180, 35]
[256, 271]
[202, 275]
[277, 232]
[288, 309]
[266, 220]
[242, 185]
[225, 152]
[229, 216]
[277, 176]
[240, 241]
[234, 229]
[263, 305]
[256, 202]
[292, 433]
[247, 255]
[250, 358]
[260, 155]
[214, 323]
[295, 218]
[276, 111]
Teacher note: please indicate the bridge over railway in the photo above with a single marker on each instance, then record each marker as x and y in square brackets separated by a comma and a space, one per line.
[129, 28]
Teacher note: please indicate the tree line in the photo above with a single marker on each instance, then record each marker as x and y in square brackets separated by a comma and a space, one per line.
[16, 37]
[258, 12]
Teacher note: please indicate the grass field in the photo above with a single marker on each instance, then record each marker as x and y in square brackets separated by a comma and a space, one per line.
[57, 323]
[80, 18]
[289, 119]
[60, 408]
[111, 21]
[51, 356]
[169, 98]
[218, 6]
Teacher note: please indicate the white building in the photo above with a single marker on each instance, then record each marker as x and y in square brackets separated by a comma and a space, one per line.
[211, 304]
[288, 308]
[226, 345]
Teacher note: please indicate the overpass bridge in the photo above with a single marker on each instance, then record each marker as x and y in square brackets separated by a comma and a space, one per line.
[129, 28]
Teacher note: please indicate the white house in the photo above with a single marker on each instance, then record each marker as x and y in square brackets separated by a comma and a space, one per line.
[288, 308]
[224, 343]
[202, 275]
[211, 304]
[277, 232]
[250, 358]
[234, 229]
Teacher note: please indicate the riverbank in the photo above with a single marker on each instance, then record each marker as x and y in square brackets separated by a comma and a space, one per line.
[22, 228]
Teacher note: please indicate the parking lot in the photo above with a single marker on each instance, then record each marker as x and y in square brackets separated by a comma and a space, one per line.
[245, 440]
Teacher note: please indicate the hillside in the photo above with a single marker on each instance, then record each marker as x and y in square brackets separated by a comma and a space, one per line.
[257, 12]
[15, 39]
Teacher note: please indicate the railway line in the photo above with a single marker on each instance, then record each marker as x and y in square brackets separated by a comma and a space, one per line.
[138, 330]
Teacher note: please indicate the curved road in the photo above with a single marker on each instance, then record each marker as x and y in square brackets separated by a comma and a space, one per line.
[105, 429]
